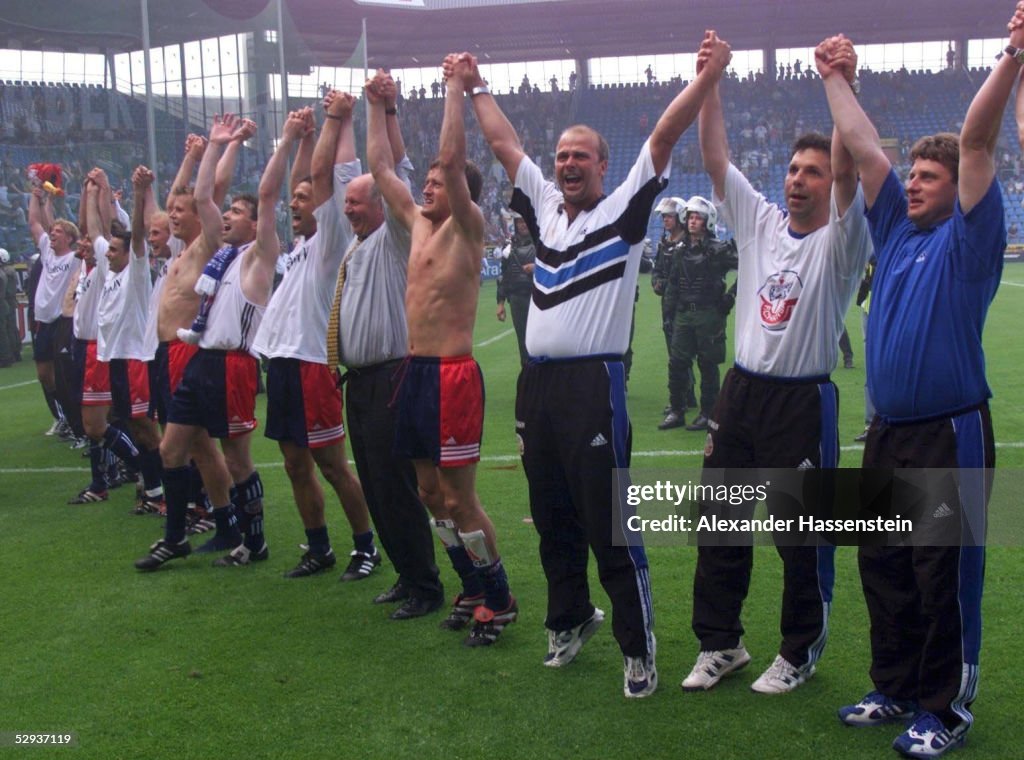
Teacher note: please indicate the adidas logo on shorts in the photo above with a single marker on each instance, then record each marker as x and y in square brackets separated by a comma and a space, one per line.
[599, 440]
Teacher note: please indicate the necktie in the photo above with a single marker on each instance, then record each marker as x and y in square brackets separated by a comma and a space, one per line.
[334, 320]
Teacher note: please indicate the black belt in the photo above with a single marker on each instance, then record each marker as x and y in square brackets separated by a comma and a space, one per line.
[369, 369]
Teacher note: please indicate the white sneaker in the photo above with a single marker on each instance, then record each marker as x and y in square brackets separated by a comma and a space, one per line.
[53, 428]
[712, 666]
[640, 676]
[781, 677]
[563, 646]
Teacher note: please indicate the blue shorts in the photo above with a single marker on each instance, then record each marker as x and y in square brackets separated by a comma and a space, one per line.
[218, 393]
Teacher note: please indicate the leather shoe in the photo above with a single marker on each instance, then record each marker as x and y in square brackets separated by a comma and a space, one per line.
[701, 423]
[396, 593]
[415, 607]
[673, 419]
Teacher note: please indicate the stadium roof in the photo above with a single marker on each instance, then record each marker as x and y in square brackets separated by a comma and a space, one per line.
[325, 32]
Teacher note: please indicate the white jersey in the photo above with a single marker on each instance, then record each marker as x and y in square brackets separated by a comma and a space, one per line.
[584, 279]
[233, 320]
[122, 311]
[58, 273]
[150, 341]
[295, 324]
[792, 291]
[87, 295]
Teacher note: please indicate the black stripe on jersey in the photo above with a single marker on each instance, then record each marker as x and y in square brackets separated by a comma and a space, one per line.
[598, 278]
[631, 225]
[248, 312]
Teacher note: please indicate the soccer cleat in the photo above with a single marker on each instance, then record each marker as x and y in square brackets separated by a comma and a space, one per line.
[875, 709]
[162, 552]
[462, 612]
[80, 443]
[88, 496]
[311, 564]
[781, 677]
[488, 624]
[701, 423]
[927, 737]
[198, 523]
[65, 433]
[639, 675]
[242, 555]
[712, 667]
[563, 646]
[148, 505]
[673, 419]
[361, 565]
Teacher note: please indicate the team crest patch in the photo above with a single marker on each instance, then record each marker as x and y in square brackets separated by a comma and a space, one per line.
[709, 445]
[779, 296]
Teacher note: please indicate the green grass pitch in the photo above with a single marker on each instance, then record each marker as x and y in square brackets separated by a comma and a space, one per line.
[197, 662]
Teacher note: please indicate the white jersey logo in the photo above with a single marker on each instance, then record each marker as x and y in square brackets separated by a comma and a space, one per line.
[779, 296]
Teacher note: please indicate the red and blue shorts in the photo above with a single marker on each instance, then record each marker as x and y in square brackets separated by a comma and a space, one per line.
[165, 374]
[303, 404]
[129, 388]
[218, 393]
[441, 410]
[95, 379]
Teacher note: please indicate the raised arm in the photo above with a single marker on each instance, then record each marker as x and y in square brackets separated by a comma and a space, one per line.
[336, 145]
[684, 108]
[382, 164]
[270, 186]
[93, 204]
[984, 118]
[194, 147]
[390, 90]
[209, 211]
[452, 159]
[142, 191]
[106, 205]
[714, 144]
[245, 129]
[301, 164]
[36, 215]
[858, 135]
[497, 129]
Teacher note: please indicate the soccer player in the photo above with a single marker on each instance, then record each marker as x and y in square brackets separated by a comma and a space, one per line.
[303, 399]
[939, 238]
[440, 412]
[799, 268]
[571, 416]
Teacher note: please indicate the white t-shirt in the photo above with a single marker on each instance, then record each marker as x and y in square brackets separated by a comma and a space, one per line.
[792, 291]
[122, 311]
[295, 323]
[58, 272]
[234, 320]
[87, 295]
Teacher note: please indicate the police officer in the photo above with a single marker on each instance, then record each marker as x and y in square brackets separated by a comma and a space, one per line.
[696, 297]
[673, 221]
[516, 282]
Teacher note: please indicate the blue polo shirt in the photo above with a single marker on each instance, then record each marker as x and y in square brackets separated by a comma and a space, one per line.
[930, 295]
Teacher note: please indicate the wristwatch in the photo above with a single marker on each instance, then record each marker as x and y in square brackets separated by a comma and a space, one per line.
[1015, 53]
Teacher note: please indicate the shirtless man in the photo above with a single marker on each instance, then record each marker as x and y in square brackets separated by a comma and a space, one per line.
[440, 417]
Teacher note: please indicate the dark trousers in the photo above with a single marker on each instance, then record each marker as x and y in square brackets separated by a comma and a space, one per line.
[699, 335]
[519, 305]
[64, 375]
[389, 482]
[762, 422]
[574, 431]
[925, 601]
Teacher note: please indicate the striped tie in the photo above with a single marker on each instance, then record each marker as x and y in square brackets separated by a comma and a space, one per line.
[334, 320]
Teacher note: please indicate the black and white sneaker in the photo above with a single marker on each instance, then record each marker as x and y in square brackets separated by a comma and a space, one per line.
[311, 564]
[242, 555]
[361, 565]
[162, 552]
[563, 646]
[88, 496]
[462, 612]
